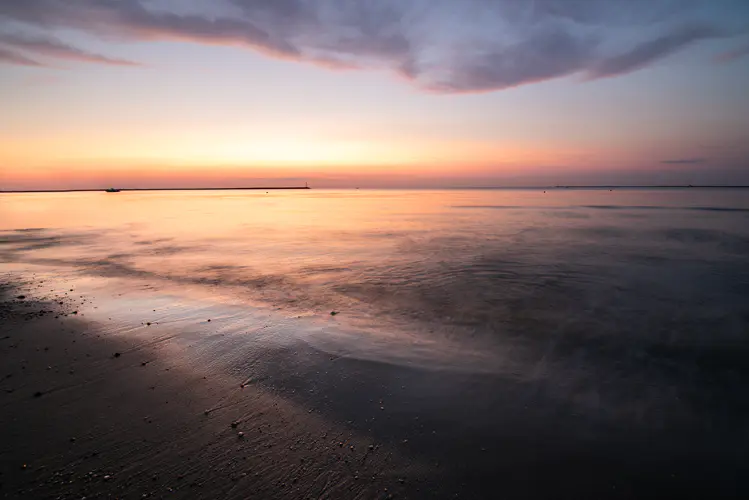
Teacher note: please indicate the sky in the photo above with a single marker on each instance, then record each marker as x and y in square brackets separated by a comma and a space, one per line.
[393, 93]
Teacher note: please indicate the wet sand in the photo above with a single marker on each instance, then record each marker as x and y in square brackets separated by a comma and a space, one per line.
[89, 413]
[89, 416]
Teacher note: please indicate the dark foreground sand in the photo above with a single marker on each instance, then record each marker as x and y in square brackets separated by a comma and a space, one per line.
[88, 415]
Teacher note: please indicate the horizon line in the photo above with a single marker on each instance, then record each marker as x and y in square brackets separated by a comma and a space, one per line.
[280, 188]
[94, 190]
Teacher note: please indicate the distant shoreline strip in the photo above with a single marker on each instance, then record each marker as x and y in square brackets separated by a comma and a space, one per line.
[466, 188]
[601, 207]
[102, 190]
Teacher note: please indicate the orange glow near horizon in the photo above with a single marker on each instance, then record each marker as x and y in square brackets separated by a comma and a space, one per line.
[192, 156]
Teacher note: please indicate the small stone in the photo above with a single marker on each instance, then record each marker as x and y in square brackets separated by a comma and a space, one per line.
[38, 394]
[117, 355]
[234, 424]
[148, 324]
[240, 434]
[333, 313]
[21, 297]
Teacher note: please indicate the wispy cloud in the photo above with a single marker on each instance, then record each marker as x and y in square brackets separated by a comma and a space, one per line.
[684, 161]
[439, 45]
[732, 55]
[647, 52]
[53, 48]
[11, 57]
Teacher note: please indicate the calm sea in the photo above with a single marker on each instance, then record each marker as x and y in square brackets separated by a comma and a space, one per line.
[662, 267]
[573, 314]
[585, 278]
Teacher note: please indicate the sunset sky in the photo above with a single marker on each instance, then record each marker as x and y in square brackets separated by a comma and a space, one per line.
[362, 93]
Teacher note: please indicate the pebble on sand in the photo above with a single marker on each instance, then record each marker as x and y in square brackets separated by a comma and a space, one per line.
[333, 313]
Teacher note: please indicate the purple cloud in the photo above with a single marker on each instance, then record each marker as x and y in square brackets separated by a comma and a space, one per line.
[443, 46]
[646, 53]
[734, 54]
[11, 57]
[545, 56]
[685, 161]
[56, 49]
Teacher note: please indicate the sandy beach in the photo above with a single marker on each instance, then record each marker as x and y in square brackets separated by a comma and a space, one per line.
[149, 411]
[85, 415]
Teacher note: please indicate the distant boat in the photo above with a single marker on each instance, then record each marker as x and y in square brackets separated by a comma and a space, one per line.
[112, 190]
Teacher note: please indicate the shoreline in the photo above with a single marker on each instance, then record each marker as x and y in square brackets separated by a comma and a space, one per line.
[97, 415]
[159, 417]
[105, 190]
